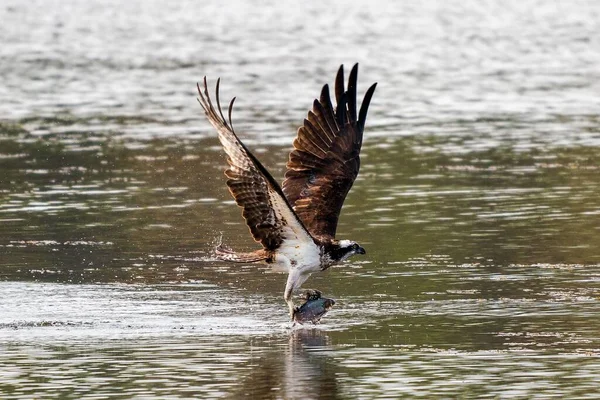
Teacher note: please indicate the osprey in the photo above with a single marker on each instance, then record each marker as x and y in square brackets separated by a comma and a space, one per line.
[296, 222]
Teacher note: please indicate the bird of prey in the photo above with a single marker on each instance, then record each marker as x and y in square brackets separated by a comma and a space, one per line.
[296, 222]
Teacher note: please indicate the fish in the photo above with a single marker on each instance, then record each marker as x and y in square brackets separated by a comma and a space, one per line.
[313, 309]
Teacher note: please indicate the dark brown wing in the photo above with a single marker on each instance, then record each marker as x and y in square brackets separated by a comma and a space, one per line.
[325, 160]
[268, 214]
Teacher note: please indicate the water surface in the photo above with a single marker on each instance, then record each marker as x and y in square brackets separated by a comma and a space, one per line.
[478, 201]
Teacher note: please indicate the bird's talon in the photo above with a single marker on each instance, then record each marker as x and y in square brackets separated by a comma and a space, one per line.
[312, 294]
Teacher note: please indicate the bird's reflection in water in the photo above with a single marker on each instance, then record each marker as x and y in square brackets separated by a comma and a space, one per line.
[300, 369]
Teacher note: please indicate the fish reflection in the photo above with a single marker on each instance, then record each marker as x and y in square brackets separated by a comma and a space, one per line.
[300, 370]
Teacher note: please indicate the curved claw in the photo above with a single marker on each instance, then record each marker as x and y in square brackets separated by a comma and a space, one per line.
[312, 294]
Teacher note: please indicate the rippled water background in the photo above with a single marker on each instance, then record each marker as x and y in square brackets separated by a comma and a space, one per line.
[478, 201]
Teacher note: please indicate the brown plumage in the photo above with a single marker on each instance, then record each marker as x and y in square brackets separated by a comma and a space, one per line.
[265, 209]
[296, 222]
[227, 254]
[325, 160]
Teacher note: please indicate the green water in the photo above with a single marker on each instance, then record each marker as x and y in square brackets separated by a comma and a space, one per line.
[478, 202]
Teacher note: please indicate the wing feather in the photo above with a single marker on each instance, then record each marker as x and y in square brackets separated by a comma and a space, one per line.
[268, 214]
[319, 121]
[325, 161]
[325, 108]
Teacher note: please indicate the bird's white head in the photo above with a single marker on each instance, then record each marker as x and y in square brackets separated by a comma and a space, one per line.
[348, 248]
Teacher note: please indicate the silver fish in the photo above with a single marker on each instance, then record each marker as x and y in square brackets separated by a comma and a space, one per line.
[314, 308]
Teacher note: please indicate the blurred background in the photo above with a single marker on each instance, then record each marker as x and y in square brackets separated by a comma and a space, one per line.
[477, 201]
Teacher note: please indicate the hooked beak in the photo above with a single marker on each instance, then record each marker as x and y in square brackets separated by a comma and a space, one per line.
[360, 250]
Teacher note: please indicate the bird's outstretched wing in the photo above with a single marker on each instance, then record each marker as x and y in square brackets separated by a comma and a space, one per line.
[267, 212]
[325, 160]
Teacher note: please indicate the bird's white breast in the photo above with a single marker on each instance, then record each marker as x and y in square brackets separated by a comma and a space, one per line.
[296, 253]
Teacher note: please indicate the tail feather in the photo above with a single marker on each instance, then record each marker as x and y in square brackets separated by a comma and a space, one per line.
[226, 254]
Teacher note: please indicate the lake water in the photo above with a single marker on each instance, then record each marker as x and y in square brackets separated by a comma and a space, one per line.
[478, 200]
